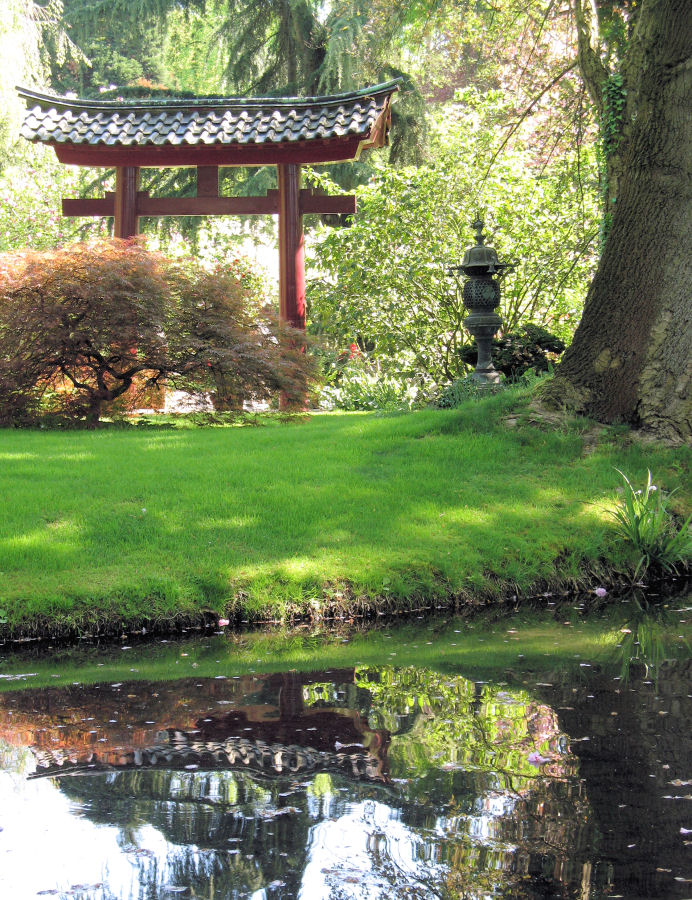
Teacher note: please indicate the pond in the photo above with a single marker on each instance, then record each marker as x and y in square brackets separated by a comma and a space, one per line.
[530, 755]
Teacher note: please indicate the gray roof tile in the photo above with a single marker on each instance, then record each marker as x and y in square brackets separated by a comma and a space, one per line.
[62, 120]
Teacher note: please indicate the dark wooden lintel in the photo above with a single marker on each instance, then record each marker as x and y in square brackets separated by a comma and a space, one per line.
[102, 206]
[205, 206]
[200, 155]
[344, 204]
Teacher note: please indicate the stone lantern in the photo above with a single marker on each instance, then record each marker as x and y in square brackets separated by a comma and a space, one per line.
[481, 296]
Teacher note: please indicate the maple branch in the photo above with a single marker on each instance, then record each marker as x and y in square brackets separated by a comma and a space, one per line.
[514, 126]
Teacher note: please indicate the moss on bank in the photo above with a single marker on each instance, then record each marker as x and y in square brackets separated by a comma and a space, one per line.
[486, 643]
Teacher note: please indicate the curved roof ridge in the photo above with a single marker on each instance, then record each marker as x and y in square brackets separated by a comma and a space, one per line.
[197, 102]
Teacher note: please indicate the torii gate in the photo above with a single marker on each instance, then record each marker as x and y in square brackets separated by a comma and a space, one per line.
[206, 133]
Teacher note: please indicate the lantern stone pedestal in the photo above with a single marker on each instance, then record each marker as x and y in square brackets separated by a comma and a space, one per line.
[484, 328]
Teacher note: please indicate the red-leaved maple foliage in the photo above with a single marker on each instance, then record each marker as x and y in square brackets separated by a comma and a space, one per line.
[79, 326]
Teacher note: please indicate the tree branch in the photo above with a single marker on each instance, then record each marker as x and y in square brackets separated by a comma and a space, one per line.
[592, 69]
[514, 127]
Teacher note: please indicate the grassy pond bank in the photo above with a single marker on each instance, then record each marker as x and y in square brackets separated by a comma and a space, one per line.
[146, 526]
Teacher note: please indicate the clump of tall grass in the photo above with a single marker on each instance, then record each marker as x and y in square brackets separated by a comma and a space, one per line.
[643, 519]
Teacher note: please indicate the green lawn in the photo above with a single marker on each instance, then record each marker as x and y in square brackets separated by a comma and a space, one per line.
[123, 523]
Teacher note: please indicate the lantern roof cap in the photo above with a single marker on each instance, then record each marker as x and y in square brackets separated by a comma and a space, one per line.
[480, 260]
[480, 255]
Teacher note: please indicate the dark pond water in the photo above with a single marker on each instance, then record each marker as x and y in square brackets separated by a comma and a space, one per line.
[532, 756]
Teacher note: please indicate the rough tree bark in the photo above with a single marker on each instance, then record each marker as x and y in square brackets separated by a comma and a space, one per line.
[631, 358]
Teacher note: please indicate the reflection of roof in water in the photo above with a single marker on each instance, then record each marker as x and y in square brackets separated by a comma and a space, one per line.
[265, 723]
[187, 751]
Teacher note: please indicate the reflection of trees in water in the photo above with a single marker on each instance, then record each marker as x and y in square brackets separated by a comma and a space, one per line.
[14, 759]
[635, 764]
[225, 833]
[645, 640]
[485, 778]
[489, 834]
[488, 796]
[438, 721]
[238, 834]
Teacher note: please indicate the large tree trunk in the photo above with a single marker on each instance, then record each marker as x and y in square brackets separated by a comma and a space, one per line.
[631, 358]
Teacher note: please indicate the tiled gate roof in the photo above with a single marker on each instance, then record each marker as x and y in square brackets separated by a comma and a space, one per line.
[204, 120]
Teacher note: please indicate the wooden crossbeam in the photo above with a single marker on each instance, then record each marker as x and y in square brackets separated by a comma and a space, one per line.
[103, 206]
[343, 204]
[210, 204]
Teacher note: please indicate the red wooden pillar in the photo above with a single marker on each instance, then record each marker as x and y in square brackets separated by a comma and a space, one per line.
[126, 225]
[291, 249]
[126, 222]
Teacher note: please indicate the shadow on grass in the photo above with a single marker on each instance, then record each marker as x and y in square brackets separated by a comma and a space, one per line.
[425, 504]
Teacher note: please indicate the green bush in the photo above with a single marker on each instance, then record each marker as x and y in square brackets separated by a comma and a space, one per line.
[530, 347]
[461, 391]
[361, 386]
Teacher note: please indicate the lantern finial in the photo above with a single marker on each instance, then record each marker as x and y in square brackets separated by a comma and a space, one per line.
[477, 225]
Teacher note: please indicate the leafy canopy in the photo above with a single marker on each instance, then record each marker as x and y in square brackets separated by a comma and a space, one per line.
[382, 282]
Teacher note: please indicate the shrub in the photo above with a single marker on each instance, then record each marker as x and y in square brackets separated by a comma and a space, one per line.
[463, 390]
[360, 385]
[530, 347]
[81, 325]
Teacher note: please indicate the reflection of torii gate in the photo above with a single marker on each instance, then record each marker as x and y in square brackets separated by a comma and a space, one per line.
[206, 133]
[268, 729]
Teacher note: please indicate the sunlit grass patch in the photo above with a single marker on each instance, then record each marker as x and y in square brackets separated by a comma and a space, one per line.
[261, 521]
